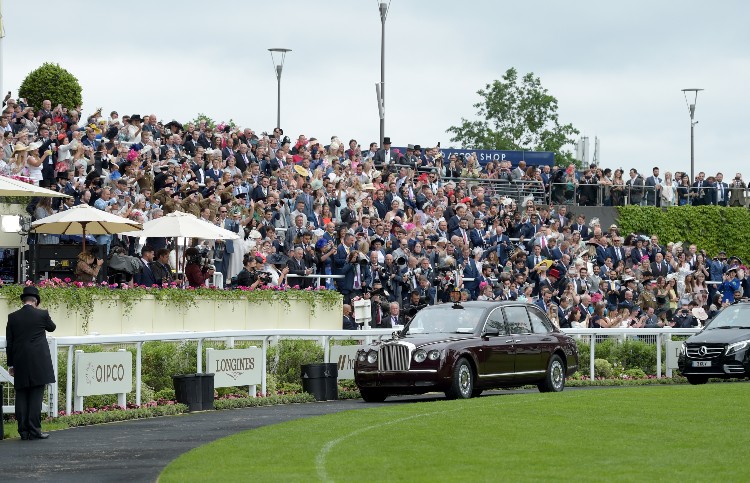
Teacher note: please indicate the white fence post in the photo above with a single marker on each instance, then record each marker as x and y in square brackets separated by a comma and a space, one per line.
[592, 350]
[138, 358]
[54, 392]
[69, 381]
[199, 362]
[658, 356]
[78, 400]
[263, 376]
[122, 398]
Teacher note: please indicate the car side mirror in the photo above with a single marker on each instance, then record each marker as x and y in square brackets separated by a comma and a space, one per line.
[491, 332]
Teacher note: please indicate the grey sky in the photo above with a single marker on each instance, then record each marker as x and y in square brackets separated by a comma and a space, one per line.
[616, 67]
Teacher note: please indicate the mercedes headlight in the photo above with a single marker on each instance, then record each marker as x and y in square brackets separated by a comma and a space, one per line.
[433, 355]
[683, 349]
[372, 357]
[738, 346]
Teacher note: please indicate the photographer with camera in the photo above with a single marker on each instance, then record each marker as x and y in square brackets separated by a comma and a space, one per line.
[197, 270]
[88, 266]
[249, 276]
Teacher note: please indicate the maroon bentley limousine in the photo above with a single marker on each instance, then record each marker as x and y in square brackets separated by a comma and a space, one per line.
[463, 349]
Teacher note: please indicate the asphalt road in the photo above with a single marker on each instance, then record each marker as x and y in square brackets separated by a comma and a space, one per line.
[139, 450]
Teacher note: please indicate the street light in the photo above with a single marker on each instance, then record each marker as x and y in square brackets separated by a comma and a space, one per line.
[278, 67]
[691, 111]
[380, 88]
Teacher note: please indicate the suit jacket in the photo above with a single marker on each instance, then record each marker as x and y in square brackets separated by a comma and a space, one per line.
[145, 276]
[582, 229]
[656, 272]
[27, 349]
[380, 158]
[257, 193]
[348, 323]
[475, 237]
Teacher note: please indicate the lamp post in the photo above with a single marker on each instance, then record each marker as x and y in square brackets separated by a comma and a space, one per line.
[278, 67]
[691, 111]
[383, 7]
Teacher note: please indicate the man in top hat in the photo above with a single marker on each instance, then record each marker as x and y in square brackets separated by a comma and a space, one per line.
[385, 156]
[29, 361]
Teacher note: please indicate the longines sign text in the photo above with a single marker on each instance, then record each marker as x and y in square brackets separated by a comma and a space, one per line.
[235, 367]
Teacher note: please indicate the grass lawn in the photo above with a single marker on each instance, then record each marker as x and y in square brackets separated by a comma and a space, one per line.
[674, 433]
[11, 427]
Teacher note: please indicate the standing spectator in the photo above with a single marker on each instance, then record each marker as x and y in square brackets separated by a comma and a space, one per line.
[29, 361]
[653, 188]
[737, 191]
[634, 187]
[348, 321]
[722, 190]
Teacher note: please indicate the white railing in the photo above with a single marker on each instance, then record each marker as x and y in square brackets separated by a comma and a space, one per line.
[658, 336]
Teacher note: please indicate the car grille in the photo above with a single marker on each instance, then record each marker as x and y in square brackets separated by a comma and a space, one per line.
[394, 357]
[712, 351]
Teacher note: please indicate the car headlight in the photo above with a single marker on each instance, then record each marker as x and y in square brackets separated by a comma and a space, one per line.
[738, 346]
[683, 349]
[433, 355]
[420, 355]
[361, 356]
[372, 357]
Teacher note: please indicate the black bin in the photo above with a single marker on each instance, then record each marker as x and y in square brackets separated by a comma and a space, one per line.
[207, 391]
[194, 390]
[321, 380]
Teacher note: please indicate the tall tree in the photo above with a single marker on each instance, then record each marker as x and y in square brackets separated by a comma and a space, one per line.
[50, 81]
[517, 115]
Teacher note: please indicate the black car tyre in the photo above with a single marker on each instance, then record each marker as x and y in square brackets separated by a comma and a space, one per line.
[462, 386]
[373, 395]
[554, 380]
[695, 380]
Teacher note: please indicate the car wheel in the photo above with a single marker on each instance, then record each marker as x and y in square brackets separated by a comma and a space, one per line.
[462, 385]
[695, 380]
[554, 380]
[373, 395]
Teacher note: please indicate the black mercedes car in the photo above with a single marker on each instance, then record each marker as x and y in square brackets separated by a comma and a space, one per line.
[721, 349]
[463, 349]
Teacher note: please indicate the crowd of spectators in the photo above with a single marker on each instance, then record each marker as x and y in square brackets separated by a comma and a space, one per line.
[403, 229]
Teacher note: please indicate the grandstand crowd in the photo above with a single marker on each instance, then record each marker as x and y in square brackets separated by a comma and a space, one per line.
[402, 228]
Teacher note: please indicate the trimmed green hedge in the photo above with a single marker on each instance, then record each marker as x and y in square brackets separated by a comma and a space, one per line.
[712, 228]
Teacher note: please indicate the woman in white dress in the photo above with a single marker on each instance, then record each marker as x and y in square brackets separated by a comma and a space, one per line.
[683, 271]
[668, 190]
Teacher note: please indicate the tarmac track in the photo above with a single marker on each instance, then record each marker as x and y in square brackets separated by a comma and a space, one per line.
[139, 450]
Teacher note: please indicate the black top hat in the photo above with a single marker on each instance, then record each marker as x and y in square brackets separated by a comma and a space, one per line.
[386, 140]
[136, 117]
[31, 292]
[417, 147]
[277, 259]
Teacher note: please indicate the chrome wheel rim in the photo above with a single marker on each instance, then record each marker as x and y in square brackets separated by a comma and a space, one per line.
[557, 375]
[464, 380]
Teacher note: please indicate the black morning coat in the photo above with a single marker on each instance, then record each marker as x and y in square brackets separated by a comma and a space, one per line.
[27, 349]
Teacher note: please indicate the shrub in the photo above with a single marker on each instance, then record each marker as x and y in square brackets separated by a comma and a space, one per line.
[286, 358]
[50, 81]
[635, 354]
[636, 373]
[162, 360]
[603, 369]
[167, 394]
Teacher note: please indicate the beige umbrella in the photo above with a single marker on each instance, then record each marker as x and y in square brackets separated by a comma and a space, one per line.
[15, 187]
[179, 224]
[84, 220]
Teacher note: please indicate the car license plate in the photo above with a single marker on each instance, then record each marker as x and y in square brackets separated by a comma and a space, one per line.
[701, 363]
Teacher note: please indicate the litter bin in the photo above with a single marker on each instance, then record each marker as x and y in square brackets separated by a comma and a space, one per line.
[187, 390]
[207, 391]
[320, 380]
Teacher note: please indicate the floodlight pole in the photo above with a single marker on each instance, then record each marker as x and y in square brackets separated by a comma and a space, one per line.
[278, 67]
[383, 7]
[691, 111]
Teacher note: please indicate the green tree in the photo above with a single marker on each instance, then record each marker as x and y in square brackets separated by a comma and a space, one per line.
[50, 81]
[516, 114]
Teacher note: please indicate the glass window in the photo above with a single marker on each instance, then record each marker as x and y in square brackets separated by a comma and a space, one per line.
[518, 320]
[497, 321]
[538, 322]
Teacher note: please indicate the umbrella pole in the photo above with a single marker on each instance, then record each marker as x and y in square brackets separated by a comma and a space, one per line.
[83, 225]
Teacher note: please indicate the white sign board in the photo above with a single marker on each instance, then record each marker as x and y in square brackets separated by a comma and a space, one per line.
[103, 373]
[344, 357]
[235, 367]
[673, 352]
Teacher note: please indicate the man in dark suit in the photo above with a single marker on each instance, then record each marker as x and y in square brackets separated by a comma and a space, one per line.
[659, 268]
[298, 267]
[722, 190]
[385, 156]
[29, 362]
[652, 185]
[348, 321]
[146, 275]
[581, 227]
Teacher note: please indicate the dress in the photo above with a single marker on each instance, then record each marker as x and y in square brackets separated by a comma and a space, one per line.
[239, 247]
[683, 272]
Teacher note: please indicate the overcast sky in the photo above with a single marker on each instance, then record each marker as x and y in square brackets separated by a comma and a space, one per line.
[616, 68]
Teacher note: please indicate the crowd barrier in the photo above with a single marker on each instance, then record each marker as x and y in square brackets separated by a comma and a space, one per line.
[660, 337]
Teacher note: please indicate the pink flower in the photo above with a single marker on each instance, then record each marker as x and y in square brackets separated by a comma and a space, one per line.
[67, 280]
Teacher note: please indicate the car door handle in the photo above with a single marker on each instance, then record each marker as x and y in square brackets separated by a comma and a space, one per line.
[517, 340]
[509, 341]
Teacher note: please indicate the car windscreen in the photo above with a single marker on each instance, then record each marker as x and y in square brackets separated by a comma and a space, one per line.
[445, 320]
[734, 316]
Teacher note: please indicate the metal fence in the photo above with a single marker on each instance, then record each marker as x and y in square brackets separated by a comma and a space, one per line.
[268, 337]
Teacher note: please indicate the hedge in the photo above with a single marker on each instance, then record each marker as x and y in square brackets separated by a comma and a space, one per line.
[712, 228]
